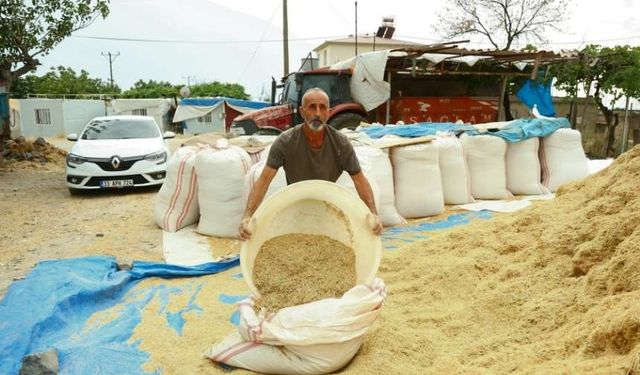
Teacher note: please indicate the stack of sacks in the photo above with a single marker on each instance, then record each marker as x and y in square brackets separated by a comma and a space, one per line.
[487, 166]
[418, 184]
[456, 184]
[382, 172]
[562, 158]
[176, 205]
[221, 177]
[367, 167]
[523, 168]
[279, 181]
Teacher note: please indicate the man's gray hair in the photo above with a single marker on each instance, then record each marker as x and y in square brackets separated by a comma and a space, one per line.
[312, 90]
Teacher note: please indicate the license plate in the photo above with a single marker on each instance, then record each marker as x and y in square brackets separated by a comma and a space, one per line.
[116, 183]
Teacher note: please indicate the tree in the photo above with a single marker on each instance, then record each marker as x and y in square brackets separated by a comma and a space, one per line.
[215, 88]
[30, 29]
[60, 81]
[501, 22]
[612, 72]
[152, 89]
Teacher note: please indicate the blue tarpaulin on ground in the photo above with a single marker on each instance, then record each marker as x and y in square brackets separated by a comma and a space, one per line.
[50, 307]
[515, 131]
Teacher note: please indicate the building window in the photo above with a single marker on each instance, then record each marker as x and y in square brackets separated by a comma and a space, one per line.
[206, 118]
[43, 116]
[139, 112]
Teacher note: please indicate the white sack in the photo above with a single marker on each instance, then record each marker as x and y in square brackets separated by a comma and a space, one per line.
[487, 167]
[315, 338]
[562, 158]
[366, 165]
[418, 185]
[221, 176]
[524, 174]
[456, 184]
[176, 205]
[278, 183]
[380, 164]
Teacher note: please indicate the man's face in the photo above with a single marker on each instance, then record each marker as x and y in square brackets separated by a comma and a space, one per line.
[315, 110]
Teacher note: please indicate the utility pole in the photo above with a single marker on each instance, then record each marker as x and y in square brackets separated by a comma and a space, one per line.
[112, 58]
[285, 37]
[356, 28]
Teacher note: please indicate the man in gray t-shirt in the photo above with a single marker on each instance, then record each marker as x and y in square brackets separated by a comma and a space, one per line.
[311, 150]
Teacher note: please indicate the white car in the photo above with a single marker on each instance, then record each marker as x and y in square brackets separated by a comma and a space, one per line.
[118, 152]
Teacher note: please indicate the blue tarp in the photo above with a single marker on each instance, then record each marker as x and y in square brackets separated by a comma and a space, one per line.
[50, 307]
[534, 93]
[209, 102]
[517, 130]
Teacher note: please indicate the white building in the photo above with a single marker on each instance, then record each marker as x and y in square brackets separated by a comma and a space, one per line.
[34, 118]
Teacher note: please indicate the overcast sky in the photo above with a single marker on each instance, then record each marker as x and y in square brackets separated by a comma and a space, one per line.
[240, 40]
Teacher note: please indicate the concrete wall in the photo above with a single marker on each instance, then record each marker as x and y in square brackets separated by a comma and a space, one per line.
[29, 127]
[335, 52]
[77, 113]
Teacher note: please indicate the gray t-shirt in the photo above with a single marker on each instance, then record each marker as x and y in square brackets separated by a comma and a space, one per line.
[300, 162]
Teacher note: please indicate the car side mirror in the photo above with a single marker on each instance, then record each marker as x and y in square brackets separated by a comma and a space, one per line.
[72, 137]
[168, 135]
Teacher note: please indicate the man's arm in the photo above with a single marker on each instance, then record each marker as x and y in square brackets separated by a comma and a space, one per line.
[255, 198]
[366, 194]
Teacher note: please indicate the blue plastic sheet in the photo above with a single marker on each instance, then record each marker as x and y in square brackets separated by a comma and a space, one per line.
[535, 93]
[516, 131]
[50, 308]
[52, 304]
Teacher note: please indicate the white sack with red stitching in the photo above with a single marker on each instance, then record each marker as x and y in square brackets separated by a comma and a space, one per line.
[221, 174]
[523, 168]
[487, 166]
[416, 175]
[456, 184]
[562, 158]
[278, 183]
[314, 338]
[176, 205]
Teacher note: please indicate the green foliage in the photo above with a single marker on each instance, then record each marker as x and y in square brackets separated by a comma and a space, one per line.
[151, 89]
[60, 81]
[29, 29]
[215, 88]
[613, 70]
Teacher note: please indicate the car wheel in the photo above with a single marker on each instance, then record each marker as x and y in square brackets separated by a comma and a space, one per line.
[348, 120]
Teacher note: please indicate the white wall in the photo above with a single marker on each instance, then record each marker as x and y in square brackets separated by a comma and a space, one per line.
[77, 113]
[28, 118]
[216, 124]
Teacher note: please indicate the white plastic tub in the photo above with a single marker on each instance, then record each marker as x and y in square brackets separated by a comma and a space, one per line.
[315, 207]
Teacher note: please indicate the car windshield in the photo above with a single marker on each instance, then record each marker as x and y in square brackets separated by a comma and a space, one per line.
[120, 129]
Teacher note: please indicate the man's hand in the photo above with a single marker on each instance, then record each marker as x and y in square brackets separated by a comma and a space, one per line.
[374, 224]
[244, 233]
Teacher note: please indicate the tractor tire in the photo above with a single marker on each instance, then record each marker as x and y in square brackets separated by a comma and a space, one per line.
[347, 120]
[267, 131]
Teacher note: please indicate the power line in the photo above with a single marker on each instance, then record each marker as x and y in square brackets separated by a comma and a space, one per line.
[266, 28]
[202, 41]
[304, 39]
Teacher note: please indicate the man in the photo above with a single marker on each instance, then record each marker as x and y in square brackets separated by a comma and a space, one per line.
[311, 150]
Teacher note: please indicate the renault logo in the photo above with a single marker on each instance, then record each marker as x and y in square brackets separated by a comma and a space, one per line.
[115, 162]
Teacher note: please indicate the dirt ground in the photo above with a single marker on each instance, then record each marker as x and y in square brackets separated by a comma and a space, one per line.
[40, 220]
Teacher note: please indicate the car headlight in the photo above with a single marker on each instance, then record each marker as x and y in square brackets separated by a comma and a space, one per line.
[75, 159]
[157, 157]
